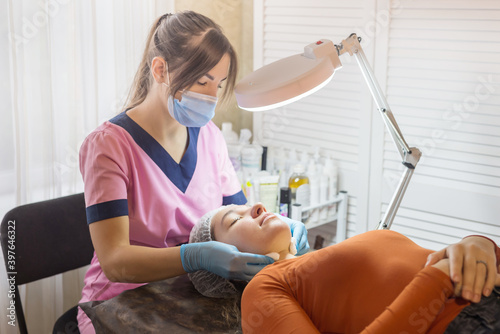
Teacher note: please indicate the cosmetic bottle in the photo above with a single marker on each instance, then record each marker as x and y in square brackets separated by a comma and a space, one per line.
[292, 157]
[233, 148]
[251, 155]
[296, 212]
[314, 190]
[227, 132]
[249, 190]
[291, 161]
[285, 202]
[331, 171]
[280, 166]
[323, 196]
[334, 190]
[299, 186]
[268, 189]
[304, 158]
[279, 159]
[270, 160]
[234, 151]
[317, 156]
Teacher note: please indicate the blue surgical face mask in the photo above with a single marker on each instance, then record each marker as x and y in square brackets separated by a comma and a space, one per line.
[194, 109]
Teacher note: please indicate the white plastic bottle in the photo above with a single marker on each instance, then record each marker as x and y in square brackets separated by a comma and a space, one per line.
[245, 135]
[291, 161]
[234, 151]
[334, 190]
[280, 162]
[270, 160]
[233, 148]
[317, 157]
[304, 158]
[323, 196]
[229, 135]
[313, 176]
[332, 172]
[251, 155]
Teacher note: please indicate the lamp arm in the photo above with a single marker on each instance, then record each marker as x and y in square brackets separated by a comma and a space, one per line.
[353, 47]
[410, 156]
[397, 197]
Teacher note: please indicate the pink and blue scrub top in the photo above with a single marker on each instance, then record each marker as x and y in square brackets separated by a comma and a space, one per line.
[126, 172]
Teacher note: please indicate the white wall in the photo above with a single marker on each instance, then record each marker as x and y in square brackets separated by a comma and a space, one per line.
[439, 64]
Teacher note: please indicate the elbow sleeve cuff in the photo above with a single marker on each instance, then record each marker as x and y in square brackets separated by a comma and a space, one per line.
[106, 210]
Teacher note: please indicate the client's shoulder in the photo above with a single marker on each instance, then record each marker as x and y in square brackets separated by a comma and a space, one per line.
[378, 235]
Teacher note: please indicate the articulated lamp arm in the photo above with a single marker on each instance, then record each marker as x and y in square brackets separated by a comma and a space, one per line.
[294, 77]
[409, 155]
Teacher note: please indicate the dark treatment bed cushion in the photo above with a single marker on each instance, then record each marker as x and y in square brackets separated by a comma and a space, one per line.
[169, 306]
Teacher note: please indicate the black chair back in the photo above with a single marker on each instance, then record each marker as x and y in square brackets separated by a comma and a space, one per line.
[45, 238]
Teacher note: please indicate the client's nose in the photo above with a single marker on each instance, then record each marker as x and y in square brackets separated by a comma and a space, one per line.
[258, 209]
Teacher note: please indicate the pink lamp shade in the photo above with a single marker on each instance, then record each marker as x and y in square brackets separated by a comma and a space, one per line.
[289, 79]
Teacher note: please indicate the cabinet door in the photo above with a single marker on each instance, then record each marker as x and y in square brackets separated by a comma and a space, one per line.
[338, 117]
[443, 83]
[438, 63]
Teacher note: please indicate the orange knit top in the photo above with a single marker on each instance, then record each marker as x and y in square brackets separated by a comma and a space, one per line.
[374, 282]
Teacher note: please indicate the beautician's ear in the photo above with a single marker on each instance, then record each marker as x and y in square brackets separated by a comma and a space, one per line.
[158, 67]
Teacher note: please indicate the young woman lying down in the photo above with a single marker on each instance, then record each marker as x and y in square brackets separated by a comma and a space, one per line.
[376, 282]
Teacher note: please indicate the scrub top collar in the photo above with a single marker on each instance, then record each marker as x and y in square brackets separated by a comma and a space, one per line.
[180, 174]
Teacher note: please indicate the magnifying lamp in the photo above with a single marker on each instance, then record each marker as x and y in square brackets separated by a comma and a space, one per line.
[290, 79]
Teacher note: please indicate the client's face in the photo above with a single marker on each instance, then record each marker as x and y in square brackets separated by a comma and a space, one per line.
[251, 229]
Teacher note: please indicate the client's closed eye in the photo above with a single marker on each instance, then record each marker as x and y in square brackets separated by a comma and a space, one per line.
[235, 220]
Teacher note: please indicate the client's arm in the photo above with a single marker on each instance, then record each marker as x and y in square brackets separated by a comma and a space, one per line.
[417, 306]
[268, 307]
[473, 265]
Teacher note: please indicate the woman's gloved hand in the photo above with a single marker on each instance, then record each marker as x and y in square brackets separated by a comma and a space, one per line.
[222, 259]
[299, 232]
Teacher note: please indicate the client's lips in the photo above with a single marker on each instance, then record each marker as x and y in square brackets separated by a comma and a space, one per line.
[267, 216]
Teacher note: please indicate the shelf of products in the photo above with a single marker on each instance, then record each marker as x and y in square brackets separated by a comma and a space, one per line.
[341, 201]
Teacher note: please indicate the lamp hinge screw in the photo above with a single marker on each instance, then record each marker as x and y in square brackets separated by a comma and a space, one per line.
[339, 48]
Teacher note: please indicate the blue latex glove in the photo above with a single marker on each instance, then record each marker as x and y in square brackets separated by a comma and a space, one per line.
[299, 232]
[222, 259]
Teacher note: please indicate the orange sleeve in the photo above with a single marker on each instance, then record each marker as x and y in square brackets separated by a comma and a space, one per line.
[267, 307]
[355, 286]
[272, 309]
[417, 306]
